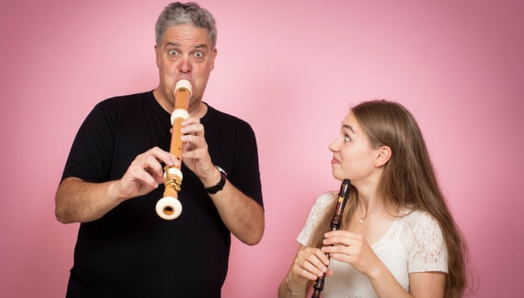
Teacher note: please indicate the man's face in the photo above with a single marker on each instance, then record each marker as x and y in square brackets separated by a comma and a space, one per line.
[184, 53]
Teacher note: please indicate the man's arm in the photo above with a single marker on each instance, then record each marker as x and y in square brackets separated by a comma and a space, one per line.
[242, 215]
[80, 201]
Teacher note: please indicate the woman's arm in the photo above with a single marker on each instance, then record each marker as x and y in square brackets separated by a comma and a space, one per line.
[421, 284]
[309, 264]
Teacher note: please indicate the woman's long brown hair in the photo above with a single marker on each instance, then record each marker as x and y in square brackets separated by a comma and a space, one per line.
[408, 181]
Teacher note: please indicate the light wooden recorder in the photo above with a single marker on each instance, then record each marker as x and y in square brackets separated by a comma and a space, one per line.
[169, 207]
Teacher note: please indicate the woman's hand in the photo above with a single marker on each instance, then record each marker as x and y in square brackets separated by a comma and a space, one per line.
[309, 264]
[351, 248]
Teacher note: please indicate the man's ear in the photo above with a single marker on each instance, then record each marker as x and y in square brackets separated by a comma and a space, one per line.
[383, 156]
[213, 56]
[157, 55]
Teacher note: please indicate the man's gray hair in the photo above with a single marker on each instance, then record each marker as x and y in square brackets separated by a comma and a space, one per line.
[190, 13]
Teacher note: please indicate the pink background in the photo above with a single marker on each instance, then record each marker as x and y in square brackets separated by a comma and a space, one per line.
[291, 68]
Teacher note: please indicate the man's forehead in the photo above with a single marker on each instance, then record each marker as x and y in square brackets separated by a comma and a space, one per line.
[187, 32]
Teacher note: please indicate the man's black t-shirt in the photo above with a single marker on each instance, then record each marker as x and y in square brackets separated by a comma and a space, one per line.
[131, 252]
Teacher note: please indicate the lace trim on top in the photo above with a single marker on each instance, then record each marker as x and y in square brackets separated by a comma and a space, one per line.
[413, 243]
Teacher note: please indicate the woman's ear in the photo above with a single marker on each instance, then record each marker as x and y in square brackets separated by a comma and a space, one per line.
[384, 154]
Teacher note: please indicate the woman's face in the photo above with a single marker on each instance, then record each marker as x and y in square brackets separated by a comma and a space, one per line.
[353, 156]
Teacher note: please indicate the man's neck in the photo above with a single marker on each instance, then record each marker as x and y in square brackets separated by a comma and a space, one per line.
[196, 108]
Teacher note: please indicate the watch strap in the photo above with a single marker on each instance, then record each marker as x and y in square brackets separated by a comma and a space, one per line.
[220, 185]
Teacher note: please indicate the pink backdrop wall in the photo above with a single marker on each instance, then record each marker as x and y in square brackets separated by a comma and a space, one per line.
[291, 68]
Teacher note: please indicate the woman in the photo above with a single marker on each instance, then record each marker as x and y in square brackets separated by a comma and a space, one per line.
[398, 238]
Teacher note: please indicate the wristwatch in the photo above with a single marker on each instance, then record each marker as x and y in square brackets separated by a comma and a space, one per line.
[214, 189]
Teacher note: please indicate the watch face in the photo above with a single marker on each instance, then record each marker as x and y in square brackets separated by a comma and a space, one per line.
[221, 170]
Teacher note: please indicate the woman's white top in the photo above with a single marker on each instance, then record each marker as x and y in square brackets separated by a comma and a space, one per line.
[413, 243]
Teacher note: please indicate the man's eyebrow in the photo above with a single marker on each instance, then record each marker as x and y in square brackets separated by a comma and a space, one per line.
[198, 46]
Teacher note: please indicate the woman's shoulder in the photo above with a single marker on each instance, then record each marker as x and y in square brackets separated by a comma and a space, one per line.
[320, 204]
[326, 198]
[315, 215]
[423, 240]
[416, 217]
[330, 193]
[420, 225]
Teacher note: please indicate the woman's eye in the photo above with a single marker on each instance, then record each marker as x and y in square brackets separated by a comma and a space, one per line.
[346, 138]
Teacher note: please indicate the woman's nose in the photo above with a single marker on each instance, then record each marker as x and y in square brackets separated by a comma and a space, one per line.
[333, 147]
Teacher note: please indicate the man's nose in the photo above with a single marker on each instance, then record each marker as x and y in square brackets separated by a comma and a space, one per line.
[185, 65]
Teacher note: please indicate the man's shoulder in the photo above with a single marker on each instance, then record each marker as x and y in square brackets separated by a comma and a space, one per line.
[127, 99]
[131, 103]
[214, 114]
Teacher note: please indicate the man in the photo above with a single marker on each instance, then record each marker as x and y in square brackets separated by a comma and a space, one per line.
[113, 179]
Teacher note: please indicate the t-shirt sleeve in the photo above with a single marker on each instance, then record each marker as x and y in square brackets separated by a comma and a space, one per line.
[315, 215]
[247, 178]
[91, 152]
[427, 250]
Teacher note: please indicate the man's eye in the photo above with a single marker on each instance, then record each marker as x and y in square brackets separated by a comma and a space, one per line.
[199, 54]
[173, 52]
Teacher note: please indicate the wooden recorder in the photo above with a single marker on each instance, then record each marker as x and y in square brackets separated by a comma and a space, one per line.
[336, 222]
[169, 207]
